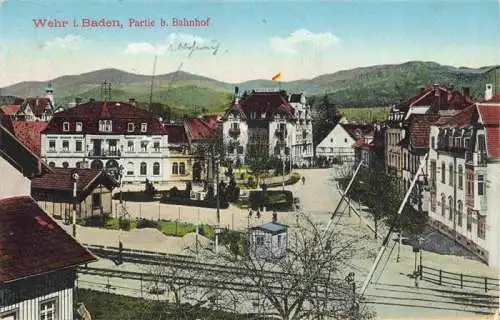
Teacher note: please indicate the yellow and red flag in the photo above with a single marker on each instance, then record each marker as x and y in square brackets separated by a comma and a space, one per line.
[277, 77]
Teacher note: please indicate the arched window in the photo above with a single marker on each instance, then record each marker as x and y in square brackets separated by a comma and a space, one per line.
[52, 164]
[97, 164]
[443, 205]
[460, 209]
[156, 169]
[175, 168]
[65, 165]
[450, 203]
[144, 169]
[182, 168]
[469, 220]
[130, 169]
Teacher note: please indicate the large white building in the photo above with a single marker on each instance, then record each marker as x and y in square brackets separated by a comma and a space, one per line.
[272, 118]
[108, 134]
[464, 164]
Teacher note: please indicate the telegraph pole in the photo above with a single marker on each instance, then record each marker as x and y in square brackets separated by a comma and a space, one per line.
[75, 179]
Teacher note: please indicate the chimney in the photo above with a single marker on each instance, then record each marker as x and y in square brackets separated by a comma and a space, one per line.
[275, 217]
[236, 100]
[450, 94]
[436, 90]
[78, 100]
[488, 94]
[132, 101]
[466, 91]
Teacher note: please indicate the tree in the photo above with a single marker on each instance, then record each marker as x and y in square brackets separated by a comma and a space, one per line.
[307, 283]
[326, 116]
[258, 159]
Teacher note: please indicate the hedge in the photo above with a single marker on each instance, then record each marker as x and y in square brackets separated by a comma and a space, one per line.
[134, 196]
[271, 199]
[195, 203]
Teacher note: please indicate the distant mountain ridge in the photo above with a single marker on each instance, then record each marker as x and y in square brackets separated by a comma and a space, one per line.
[379, 85]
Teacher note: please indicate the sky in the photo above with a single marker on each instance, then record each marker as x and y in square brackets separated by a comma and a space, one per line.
[243, 40]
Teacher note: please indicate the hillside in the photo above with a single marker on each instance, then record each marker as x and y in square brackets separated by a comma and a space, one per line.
[379, 85]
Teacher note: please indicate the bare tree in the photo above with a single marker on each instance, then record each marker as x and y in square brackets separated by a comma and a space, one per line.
[308, 282]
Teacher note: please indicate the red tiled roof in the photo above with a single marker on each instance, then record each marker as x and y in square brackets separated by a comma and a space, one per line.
[91, 112]
[199, 129]
[493, 141]
[61, 179]
[266, 102]
[31, 243]
[464, 118]
[490, 116]
[445, 99]
[362, 144]
[353, 129]
[420, 128]
[494, 99]
[10, 109]
[38, 105]
[29, 133]
[211, 120]
[176, 134]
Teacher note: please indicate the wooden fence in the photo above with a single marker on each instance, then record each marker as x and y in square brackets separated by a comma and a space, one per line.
[461, 280]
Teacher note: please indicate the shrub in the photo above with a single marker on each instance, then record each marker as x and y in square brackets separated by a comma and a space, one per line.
[145, 223]
[133, 196]
[96, 221]
[124, 224]
[211, 203]
[272, 199]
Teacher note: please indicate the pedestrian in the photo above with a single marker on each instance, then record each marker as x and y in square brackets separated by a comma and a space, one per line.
[303, 180]
[250, 212]
[258, 214]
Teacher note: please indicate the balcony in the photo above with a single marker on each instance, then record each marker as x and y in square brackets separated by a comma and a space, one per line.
[234, 131]
[281, 133]
[476, 159]
[105, 153]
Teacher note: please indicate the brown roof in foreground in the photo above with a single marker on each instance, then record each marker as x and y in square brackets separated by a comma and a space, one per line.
[200, 129]
[38, 105]
[31, 243]
[176, 133]
[420, 129]
[61, 179]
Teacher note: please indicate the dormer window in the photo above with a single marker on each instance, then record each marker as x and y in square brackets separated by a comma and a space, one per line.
[78, 127]
[130, 127]
[65, 126]
[263, 115]
[144, 127]
[105, 125]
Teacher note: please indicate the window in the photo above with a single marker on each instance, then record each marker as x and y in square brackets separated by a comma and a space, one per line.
[433, 202]
[460, 177]
[175, 168]
[130, 127]
[65, 126]
[234, 125]
[460, 209]
[259, 240]
[52, 146]
[144, 146]
[443, 173]
[9, 315]
[480, 184]
[130, 146]
[78, 145]
[481, 226]
[279, 240]
[469, 220]
[345, 140]
[144, 127]
[450, 173]
[52, 164]
[144, 169]
[78, 127]
[105, 125]
[156, 169]
[443, 205]
[96, 201]
[433, 143]
[65, 145]
[156, 146]
[130, 169]
[182, 168]
[65, 165]
[48, 310]
[433, 174]
[450, 207]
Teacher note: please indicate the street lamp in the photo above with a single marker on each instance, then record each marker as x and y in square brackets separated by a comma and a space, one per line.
[75, 177]
[120, 174]
[283, 157]
[420, 243]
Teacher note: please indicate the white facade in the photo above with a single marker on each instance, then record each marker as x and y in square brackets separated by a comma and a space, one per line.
[142, 156]
[338, 144]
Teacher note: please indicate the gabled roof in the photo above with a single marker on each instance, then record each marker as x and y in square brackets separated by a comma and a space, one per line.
[198, 129]
[38, 105]
[176, 133]
[266, 102]
[420, 129]
[31, 243]
[91, 112]
[490, 117]
[464, 118]
[61, 179]
[272, 227]
[29, 133]
[10, 109]
[357, 131]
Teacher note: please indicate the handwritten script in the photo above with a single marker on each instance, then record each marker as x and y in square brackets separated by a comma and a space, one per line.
[190, 47]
